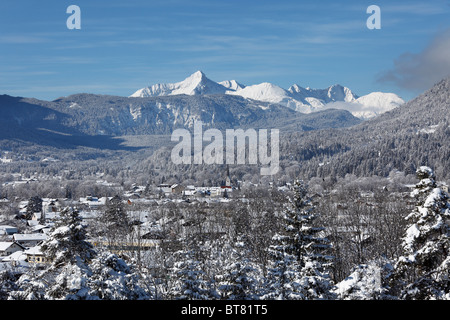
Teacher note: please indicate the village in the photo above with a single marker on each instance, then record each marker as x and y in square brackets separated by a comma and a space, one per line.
[163, 212]
[20, 246]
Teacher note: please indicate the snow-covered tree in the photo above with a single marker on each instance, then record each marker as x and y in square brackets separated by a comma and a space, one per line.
[34, 206]
[69, 254]
[113, 279]
[77, 271]
[67, 242]
[422, 271]
[8, 284]
[188, 277]
[365, 282]
[236, 280]
[30, 286]
[299, 253]
[283, 274]
[115, 221]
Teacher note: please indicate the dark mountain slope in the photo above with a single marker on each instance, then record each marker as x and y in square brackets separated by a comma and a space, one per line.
[92, 120]
[414, 134]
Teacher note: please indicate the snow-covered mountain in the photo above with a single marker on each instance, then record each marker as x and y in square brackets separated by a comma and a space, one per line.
[370, 105]
[232, 85]
[305, 100]
[331, 94]
[195, 84]
[376, 103]
[92, 119]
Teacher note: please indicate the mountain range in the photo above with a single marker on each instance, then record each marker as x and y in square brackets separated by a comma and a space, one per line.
[304, 100]
[82, 119]
[328, 142]
[412, 135]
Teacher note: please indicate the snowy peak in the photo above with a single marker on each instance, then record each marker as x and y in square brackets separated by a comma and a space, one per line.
[331, 94]
[265, 91]
[305, 100]
[195, 84]
[384, 101]
[370, 105]
[232, 85]
[376, 103]
[339, 93]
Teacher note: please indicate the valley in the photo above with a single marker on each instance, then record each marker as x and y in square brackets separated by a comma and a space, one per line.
[106, 160]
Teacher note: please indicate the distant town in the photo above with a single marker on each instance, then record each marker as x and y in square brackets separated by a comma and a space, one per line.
[20, 243]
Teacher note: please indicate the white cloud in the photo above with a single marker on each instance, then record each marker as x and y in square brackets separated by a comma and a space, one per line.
[420, 71]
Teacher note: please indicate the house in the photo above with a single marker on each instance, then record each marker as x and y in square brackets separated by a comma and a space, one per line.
[177, 188]
[125, 246]
[215, 191]
[23, 208]
[37, 216]
[17, 258]
[29, 239]
[7, 248]
[39, 228]
[51, 205]
[8, 230]
[94, 202]
[189, 191]
[165, 189]
[35, 256]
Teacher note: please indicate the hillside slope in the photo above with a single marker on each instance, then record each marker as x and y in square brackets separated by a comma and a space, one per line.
[414, 134]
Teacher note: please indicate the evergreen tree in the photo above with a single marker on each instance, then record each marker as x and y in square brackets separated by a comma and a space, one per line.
[8, 284]
[299, 253]
[69, 253]
[113, 279]
[115, 221]
[422, 271]
[187, 275]
[30, 286]
[237, 280]
[365, 282]
[77, 271]
[283, 274]
[34, 206]
[67, 242]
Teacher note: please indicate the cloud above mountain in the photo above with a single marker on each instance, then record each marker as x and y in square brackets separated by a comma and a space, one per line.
[418, 71]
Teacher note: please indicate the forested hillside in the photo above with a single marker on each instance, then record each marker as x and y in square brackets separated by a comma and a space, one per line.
[414, 134]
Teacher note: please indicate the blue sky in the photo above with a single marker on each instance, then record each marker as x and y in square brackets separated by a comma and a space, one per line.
[125, 45]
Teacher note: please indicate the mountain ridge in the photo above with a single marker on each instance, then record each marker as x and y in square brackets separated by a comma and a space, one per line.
[404, 138]
[305, 100]
[89, 115]
[329, 143]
